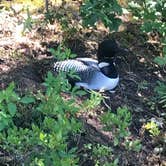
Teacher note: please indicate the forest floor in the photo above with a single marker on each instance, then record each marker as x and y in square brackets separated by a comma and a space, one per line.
[25, 59]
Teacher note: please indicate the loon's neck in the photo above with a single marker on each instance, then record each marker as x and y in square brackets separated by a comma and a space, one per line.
[108, 69]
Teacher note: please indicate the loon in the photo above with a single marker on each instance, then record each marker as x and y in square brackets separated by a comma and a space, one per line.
[94, 74]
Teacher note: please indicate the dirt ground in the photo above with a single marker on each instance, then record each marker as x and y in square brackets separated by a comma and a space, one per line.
[26, 60]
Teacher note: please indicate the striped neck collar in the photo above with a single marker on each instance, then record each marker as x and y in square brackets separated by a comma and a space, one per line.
[108, 69]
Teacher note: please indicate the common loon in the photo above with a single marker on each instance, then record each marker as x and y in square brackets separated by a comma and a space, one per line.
[94, 74]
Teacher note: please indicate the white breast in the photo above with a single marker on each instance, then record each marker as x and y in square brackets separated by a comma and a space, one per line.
[99, 82]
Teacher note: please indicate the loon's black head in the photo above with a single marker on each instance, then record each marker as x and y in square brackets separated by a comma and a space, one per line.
[108, 49]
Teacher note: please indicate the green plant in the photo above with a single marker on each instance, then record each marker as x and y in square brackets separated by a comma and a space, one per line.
[58, 122]
[67, 14]
[10, 102]
[69, 26]
[101, 150]
[8, 108]
[153, 14]
[46, 141]
[106, 11]
[152, 127]
[28, 22]
[133, 145]
[143, 85]
[161, 92]
[62, 53]
[102, 154]
[94, 100]
[117, 123]
[44, 138]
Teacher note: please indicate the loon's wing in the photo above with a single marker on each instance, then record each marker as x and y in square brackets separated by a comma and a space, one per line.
[83, 68]
[89, 61]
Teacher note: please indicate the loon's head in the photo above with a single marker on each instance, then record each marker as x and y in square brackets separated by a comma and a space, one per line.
[109, 49]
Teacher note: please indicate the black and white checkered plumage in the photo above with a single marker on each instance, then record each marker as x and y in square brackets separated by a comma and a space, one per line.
[83, 67]
[94, 74]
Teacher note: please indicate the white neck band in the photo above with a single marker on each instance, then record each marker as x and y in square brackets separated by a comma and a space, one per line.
[103, 64]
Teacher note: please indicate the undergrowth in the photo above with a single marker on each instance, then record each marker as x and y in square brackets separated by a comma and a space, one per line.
[35, 128]
[45, 138]
[44, 141]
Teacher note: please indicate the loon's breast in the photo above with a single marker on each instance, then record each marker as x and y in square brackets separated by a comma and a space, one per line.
[99, 81]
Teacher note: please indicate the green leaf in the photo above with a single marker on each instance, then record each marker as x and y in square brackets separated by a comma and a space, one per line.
[4, 120]
[116, 141]
[160, 60]
[2, 126]
[53, 51]
[116, 161]
[12, 109]
[27, 100]
[1, 97]
[94, 11]
[42, 136]
[2, 108]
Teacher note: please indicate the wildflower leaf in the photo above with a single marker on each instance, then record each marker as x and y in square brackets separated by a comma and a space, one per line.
[12, 109]
[27, 100]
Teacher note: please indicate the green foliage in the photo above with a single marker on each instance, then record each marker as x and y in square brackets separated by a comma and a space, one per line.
[27, 100]
[117, 123]
[67, 15]
[153, 14]
[62, 53]
[69, 27]
[58, 122]
[101, 150]
[43, 143]
[143, 85]
[133, 145]
[161, 60]
[101, 154]
[106, 11]
[28, 22]
[93, 102]
[152, 128]
[161, 91]
[8, 108]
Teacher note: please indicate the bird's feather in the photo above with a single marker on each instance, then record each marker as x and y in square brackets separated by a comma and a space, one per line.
[83, 67]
